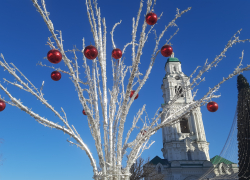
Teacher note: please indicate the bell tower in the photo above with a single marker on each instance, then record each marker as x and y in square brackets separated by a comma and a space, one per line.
[185, 139]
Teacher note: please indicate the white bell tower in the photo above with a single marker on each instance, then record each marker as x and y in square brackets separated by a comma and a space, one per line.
[185, 140]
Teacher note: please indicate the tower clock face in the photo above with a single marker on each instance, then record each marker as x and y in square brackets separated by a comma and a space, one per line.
[177, 77]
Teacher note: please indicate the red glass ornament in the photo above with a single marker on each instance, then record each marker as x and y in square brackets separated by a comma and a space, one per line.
[54, 56]
[83, 111]
[151, 18]
[56, 76]
[2, 105]
[143, 132]
[132, 93]
[212, 106]
[166, 50]
[90, 52]
[117, 53]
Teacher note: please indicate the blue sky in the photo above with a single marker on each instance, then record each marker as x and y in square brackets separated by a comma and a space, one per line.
[31, 151]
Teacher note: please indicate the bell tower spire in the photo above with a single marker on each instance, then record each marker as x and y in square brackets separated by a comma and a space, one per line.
[186, 139]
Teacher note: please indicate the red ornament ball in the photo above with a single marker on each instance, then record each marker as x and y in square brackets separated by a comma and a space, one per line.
[83, 111]
[90, 52]
[117, 53]
[166, 50]
[2, 105]
[54, 56]
[212, 106]
[151, 18]
[132, 93]
[56, 76]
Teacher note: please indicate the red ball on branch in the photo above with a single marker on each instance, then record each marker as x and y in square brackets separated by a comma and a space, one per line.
[132, 93]
[90, 52]
[212, 106]
[56, 76]
[83, 111]
[166, 50]
[2, 105]
[117, 53]
[151, 18]
[54, 56]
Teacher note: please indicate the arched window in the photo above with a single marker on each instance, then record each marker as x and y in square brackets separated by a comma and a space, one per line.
[178, 90]
[189, 155]
[184, 126]
[159, 170]
[174, 68]
[223, 169]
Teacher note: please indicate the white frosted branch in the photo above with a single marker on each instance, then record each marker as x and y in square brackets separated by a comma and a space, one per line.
[92, 20]
[126, 45]
[15, 84]
[172, 36]
[129, 86]
[24, 77]
[240, 64]
[112, 34]
[235, 39]
[144, 147]
[135, 120]
[195, 71]
[104, 37]
[102, 61]
[56, 69]
[52, 125]
[76, 64]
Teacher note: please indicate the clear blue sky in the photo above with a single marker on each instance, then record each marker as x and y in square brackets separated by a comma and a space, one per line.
[31, 151]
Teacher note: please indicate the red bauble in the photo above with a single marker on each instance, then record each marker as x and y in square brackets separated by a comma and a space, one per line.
[117, 53]
[212, 106]
[2, 105]
[90, 52]
[166, 50]
[151, 18]
[132, 93]
[83, 111]
[54, 56]
[56, 76]
[143, 132]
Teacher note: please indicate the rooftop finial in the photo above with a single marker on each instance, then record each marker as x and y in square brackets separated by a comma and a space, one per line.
[172, 55]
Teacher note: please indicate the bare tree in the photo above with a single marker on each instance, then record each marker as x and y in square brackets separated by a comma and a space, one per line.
[112, 145]
[142, 169]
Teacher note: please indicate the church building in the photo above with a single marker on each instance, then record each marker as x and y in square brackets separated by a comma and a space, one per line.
[185, 148]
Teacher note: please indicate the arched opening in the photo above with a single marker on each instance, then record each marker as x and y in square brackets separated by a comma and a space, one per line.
[159, 170]
[174, 68]
[189, 155]
[184, 126]
[178, 90]
[223, 170]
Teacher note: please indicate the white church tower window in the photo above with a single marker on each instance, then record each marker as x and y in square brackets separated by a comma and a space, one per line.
[184, 126]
